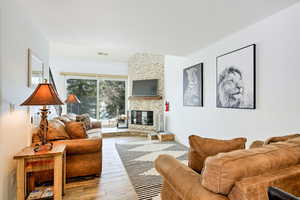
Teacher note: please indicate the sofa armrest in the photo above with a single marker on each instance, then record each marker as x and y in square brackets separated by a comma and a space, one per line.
[82, 146]
[183, 180]
[96, 124]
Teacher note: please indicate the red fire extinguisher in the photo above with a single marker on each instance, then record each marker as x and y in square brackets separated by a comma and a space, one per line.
[167, 106]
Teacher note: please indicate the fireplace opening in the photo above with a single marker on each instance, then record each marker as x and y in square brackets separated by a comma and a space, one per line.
[140, 117]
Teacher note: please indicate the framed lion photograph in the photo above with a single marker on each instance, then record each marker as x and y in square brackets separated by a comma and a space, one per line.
[236, 79]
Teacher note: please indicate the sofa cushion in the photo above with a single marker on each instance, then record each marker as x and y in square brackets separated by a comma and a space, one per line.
[281, 138]
[85, 118]
[255, 188]
[222, 171]
[56, 131]
[76, 130]
[201, 148]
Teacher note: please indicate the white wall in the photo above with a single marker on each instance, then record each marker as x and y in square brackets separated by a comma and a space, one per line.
[278, 96]
[1, 142]
[17, 34]
[81, 65]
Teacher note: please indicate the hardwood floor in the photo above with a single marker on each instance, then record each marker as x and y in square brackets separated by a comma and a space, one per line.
[114, 183]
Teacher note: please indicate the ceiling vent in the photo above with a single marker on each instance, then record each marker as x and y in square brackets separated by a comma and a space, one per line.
[102, 54]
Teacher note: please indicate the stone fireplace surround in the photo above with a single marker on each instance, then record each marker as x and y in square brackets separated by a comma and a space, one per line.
[143, 66]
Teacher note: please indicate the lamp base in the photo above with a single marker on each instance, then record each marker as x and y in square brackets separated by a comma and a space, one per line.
[45, 147]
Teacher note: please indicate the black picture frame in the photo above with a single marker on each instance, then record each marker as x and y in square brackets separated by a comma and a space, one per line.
[198, 70]
[58, 108]
[252, 98]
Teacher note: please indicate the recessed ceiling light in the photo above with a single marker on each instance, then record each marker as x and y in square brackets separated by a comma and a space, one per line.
[102, 54]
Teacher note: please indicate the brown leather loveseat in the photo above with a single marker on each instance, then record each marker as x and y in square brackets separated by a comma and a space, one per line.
[84, 156]
[237, 175]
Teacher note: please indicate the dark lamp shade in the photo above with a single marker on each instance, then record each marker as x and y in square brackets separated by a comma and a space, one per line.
[43, 95]
[72, 98]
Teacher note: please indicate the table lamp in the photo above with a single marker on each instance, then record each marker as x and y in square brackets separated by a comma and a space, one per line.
[43, 95]
[72, 99]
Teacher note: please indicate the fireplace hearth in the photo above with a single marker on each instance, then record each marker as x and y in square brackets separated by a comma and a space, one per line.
[140, 117]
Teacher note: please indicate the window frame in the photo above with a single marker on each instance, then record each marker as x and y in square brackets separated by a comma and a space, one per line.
[98, 91]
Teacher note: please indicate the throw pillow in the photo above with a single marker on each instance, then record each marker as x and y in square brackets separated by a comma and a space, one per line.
[56, 131]
[63, 119]
[70, 116]
[201, 148]
[95, 124]
[85, 118]
[281, 138]
[76, 130]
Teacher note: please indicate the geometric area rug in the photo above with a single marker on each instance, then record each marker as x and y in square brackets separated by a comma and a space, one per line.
[138, 159]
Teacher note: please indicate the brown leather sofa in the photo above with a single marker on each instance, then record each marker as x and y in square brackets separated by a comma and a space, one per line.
[84, 156]
[236, 175]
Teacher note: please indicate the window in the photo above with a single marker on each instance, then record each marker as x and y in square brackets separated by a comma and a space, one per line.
[100, 98]
[86, 91]
[111, 98]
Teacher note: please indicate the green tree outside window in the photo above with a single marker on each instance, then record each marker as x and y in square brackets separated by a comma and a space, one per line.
[111, 97]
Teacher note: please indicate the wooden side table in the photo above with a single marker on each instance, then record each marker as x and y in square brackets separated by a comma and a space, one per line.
[152, 136]
[57, 158]
[165, 136]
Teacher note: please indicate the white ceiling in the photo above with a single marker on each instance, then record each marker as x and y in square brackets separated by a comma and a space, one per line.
[124, 27]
